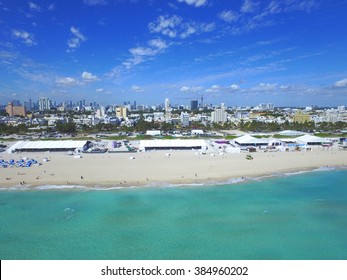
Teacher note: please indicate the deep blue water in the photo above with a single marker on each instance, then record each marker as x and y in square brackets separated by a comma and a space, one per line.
[291, 217]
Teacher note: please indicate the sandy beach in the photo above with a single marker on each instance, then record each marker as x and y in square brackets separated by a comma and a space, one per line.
[182, 167]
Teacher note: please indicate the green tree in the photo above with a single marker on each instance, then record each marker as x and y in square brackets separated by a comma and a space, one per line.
[69, 127]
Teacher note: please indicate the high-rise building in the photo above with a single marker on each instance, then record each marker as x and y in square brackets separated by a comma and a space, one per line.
[219, 115]
[122, 112]
[28, 105]
[301, 117]
[167, 109]
[44, 104]
[167, 104]
[15, 110]
[194, 105]
[265, 106]
[185, 119]
[15, 102]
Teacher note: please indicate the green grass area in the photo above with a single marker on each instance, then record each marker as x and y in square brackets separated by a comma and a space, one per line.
[332, 135]
[230, 137]
[285, 136]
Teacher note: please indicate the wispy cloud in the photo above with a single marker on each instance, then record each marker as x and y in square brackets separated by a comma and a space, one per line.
[218, 88]
[341, 84]
[265, 87]
[196, 3]
[95, 2]
[166, 25]
[142, 54]
[86, 78]
[249, 6]
[66, 81]
[137, 88]
[34, 7]
[51, 7]
[276, 7]
[24, 37]
[175, 27]
[77, 38]
[228, 16]
[191, 89]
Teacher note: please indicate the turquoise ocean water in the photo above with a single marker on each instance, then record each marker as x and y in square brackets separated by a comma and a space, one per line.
[301, 216]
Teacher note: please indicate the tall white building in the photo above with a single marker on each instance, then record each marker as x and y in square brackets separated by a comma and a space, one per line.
[167, 105]
[44, 104]
[185, 119]
[167, 109]
[265, 106]
[219, 115]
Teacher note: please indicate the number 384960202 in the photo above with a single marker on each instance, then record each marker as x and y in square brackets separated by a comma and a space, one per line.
[221, 270]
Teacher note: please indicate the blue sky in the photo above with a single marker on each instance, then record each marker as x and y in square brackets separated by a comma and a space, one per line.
[240, 52]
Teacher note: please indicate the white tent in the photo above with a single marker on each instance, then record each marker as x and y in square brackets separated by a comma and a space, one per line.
[248, 140]
[311, 140]
[58, 145]
[172, 144]
[290, 133]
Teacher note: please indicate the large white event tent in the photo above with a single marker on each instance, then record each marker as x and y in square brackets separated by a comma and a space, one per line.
[174, 144]
[248, 140]
[290, 133]
[312, 140]
[40, 146]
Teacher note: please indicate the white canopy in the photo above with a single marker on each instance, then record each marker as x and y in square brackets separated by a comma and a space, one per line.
[290, 133]
[311, 139]
[250, 140]
[47, 145]
[172, 144]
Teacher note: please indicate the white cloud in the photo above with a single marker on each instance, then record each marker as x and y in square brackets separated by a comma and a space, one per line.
[196, 3]
[89, 77]
[228, 16]
[141, 54]
[249, 6]
[166, 25]
[51, 7]
[233, 87]
[341, 83]
[95, 2]
[66, 81]
[158, 43]
[189, 31]
[34, 7]
[99, 90]
[214, 88]
[191, 89]
[175, 27]
[77, 33]
[142, 51]
[265, 87]
[217, 88]
[24, 36]
[77, 38]
[137, 88]
[276, 7]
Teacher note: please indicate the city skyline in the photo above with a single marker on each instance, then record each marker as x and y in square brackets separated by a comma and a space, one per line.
[289, 53]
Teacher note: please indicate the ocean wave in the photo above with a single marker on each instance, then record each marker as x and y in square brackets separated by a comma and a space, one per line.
[324, 168]
[296, 172]
[59, 187]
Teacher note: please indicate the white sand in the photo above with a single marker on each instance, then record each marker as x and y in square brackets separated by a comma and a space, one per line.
[155, 168]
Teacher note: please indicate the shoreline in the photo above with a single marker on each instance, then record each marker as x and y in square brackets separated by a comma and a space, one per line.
[227, 181]
[153, 169]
